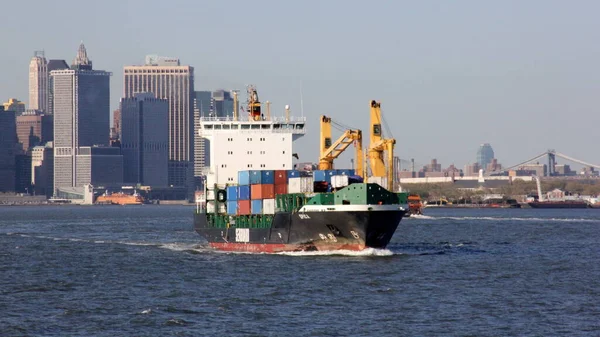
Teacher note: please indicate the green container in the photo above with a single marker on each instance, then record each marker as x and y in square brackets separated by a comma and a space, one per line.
[322, 199]
[365, 194]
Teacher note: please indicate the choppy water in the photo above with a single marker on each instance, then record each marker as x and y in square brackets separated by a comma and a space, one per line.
[142, 271]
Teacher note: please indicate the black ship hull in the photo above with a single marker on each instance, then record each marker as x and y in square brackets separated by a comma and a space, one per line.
[306, 231]
[558, 204]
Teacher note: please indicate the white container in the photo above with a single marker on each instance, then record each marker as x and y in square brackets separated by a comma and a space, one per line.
[307, 185]
[382, 181]
[210, 194]
[339, 181]
[210, 207]
[294, 185]
[268, 206]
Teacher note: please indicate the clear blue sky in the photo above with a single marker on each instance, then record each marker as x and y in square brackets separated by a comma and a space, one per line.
[521, 75]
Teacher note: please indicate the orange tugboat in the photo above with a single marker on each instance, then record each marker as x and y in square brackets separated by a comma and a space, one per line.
[120, 198]
[415, 206]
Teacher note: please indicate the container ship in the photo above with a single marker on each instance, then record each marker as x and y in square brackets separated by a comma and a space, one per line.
[120, 198]
[255, 201]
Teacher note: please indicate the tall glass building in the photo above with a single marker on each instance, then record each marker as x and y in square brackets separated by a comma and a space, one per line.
[485, 154]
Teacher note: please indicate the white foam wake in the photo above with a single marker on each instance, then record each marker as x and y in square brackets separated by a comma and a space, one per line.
[364, 252]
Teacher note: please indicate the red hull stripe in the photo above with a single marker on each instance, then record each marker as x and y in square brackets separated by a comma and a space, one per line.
[276, 248]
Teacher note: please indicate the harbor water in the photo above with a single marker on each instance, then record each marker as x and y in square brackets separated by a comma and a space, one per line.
[143, 271]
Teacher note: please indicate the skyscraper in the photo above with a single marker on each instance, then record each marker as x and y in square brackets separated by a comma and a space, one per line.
[14, 105]
[202, 108]
[167, 79]
[485, 154]
[8, 143]
[223, 103]
[145, 139]
[38, 82]
[53, 65]
[81, 116]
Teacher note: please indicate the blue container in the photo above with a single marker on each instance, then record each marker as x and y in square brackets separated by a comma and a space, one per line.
[244, 177]
[243, 192]
[232, 207]
[232, 193]
[345, 172]
[306, 173]
[320, 175]
[256, 206]
[267, 177]
[255, 177]
[293, 174]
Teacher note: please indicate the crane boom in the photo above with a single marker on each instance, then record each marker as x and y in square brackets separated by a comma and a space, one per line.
[378, 146]
[330, 151]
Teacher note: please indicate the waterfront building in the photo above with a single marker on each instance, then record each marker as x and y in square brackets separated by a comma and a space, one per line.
[485, 154]
[42, 169]
[8, 145]
[53, 65]
[23, 173]
[145, 139]
[203, 107]
[34, 128]
[81, 117]
[14, 105]
[166, 78]
[38, 82]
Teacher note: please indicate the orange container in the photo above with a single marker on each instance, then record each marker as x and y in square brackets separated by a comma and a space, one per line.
[243, 207]
[262, 191]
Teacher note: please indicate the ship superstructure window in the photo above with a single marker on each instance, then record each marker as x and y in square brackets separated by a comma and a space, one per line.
[265, 126]
[299, 126]
[208, 126]
[255, 126]
[234, 126]
[245, 126]
[276, 126]
[218, 127]
[226, 126]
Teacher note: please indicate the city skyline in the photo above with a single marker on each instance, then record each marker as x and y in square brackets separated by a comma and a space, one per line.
[511, 74]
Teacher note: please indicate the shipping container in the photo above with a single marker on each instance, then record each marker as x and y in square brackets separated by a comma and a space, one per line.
[345, 172]
[281, 189]
[255, 177]
[232, 193]
[300, 185]
[243, 207]
[267, 177]
[382, 181]
[232, 207]
[244, 178]
[339, 181]
[292, 174]
[262, 191]
[320, 175]
[243, 192]
[280, 177]
[269, 206]
[322, 199]
[256, 206]
[210, 207]
[210, 194]
[211, 181]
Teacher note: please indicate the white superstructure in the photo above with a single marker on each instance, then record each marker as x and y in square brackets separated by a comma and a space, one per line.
[246, 144]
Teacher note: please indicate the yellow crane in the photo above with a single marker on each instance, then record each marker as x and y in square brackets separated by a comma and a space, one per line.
[330, 151]
[378, 145]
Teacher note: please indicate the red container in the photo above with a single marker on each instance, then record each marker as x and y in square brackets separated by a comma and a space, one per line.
[281, 189]
[243, 207]
[262, 191]
[280, 177]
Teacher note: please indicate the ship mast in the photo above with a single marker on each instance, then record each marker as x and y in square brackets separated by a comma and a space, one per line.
[253, 104]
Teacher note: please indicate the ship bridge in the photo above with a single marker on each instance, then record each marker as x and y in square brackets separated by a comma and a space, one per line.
[238, 144]
[290, 125]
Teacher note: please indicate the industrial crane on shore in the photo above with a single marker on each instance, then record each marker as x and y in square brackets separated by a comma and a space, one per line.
[330, 151]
